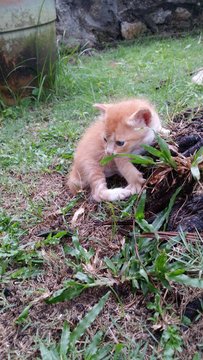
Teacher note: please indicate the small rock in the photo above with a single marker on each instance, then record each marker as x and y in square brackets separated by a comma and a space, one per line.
[160, 16]
[130, 31]
[198, 77]
[182, 14]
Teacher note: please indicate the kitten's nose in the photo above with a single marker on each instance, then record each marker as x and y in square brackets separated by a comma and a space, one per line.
[110, 149]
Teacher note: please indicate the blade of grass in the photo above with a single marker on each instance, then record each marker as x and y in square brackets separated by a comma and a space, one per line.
[197, 159]
[47, 354]
[65, 340]
[165, 152]
[185, 280]
[88, 319]
[135, 159]
[72, 290]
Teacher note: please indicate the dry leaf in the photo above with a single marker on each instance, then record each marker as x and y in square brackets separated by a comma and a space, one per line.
[77, 214]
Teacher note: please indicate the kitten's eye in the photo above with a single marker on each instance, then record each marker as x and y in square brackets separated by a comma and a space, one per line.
[105, 139]
[120, 143]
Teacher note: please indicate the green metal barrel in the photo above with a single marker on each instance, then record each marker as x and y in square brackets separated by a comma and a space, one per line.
[27, 47]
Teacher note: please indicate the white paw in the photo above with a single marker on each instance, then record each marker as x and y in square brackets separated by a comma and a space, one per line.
[118, 194]
[164, 132]
[113, 194]
[134, 188]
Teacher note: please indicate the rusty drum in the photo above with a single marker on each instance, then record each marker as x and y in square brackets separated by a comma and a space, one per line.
[27, 47]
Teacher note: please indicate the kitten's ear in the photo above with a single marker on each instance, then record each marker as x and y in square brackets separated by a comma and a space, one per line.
[141, 117]
[101, 107]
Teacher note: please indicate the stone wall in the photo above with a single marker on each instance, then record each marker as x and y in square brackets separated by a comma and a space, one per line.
[95, 22]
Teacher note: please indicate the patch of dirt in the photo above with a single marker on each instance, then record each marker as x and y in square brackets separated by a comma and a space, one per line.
[33, 187]
[27, 193]
[106, 238]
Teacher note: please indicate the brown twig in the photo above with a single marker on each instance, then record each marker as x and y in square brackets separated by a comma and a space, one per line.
[163, 235]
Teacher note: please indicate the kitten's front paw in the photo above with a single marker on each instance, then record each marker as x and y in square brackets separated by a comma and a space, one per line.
[137, 186]
[119, 194]
[112, 194]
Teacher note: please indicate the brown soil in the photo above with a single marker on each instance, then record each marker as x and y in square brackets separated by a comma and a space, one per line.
[45, 320]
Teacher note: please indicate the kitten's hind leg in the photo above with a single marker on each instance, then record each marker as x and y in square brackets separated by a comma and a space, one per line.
[74, 182]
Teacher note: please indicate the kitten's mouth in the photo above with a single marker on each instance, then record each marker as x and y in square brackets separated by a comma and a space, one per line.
[110, 153]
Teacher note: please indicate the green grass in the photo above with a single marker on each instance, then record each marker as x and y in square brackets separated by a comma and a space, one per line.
[37, 142]
[157, 69]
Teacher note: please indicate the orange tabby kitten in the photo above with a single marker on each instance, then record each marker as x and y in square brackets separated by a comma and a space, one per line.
[122, 128]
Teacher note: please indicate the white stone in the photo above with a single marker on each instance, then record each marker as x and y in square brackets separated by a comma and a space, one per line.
[198, 77]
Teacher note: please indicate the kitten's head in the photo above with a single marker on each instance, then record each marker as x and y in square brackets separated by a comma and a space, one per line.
[128, 125]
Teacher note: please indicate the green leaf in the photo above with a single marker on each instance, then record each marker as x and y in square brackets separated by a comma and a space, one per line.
[110, 264]
[54, 239]
[170, 205]
[83, 277]
[118, 349]
[197, 356]
[104, 353]
[70, 205]
[140, 207]
[11, 253]
[163, 146]
[163, 216]
[47, 354]
[152, 150]
[135, 159]
[127, 211]
[68, 155]
[165, 152]
[145, 226]
[88, 320]
[72, 290]
[139, 216]
[195, 172]
[186, 321]
[159, 220]
[177, 272]
[24, 273]
[144, 274]
[185, 280]
[65, 338]
[171, 341]
[198, 157]
[23, 315]
[106, 160]
[160, 263]
[81, 253]
[93, 346]
[141, 160]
